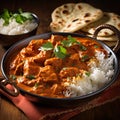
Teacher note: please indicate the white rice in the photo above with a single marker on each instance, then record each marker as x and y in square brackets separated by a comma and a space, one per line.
[15, 28]
[100, 71]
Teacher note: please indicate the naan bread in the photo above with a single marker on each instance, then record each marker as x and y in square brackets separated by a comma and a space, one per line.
[72, 17]
[108, 18]
[111, 38]
[108, 40]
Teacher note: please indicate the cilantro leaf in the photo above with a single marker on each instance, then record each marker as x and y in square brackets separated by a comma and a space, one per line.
[30, 77]
[83, 48]
[46, 46]
[84, 58]
[27, 15]
[70, 41]
[87, 73]
[60, 52]
[96, 46]
[20, 11]
[20, 16]
[6, 16]
[13, 77]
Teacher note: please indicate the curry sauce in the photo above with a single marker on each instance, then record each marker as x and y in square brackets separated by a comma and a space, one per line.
[45, 65]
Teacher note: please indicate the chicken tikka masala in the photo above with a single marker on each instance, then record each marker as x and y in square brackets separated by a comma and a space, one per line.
[45, 65]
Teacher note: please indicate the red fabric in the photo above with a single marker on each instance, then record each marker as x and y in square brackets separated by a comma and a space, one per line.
[34, 112]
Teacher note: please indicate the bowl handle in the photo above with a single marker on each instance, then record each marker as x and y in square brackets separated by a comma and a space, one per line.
[14, 91]
[114, 29]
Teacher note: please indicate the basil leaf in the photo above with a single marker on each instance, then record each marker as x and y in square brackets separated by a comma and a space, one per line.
[60, 52]
[46, 46]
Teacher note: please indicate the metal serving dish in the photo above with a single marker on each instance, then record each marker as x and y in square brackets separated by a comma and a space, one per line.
[59, 102]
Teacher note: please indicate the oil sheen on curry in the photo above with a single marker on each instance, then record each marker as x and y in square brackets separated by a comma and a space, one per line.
[47, 67]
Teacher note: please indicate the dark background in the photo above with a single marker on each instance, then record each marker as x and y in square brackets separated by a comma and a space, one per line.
[106, 5]
[40, 7]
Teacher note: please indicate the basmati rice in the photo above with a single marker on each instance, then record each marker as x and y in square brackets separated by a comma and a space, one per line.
[15, 28]
[101, 71]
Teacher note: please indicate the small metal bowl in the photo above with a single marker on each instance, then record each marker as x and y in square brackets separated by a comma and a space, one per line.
[7, 40]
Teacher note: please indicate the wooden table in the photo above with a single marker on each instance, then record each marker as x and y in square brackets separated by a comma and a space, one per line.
[43, 9]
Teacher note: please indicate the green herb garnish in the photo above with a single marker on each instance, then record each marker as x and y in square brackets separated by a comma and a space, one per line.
[20, 16]
[87, 73]
[36, 85]
[96, 46]
[47, 46]
[13, 77]
[70, 41]
[84, 58]
[83, 48]
[60, 52]
[30, 77]
[6, 16]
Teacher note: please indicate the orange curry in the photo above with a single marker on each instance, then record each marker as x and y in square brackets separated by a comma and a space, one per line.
[44, 65]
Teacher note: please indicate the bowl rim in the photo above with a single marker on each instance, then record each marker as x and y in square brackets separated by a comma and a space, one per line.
[114, 77]
[35, 17]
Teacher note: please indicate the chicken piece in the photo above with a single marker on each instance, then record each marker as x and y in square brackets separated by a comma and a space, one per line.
[32, 48]
[30, 68]
[42, 56]
[33, 82]
[19, 69]
[56, 38]
[75, 61]
[72, 61]
[56, 63]
[69, 72]
[25, 52]
[48, 74]
[15, 62]
[73, 49]
[35, 44]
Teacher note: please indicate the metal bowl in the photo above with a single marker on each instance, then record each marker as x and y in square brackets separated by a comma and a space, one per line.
[8, 40]
[59, 102]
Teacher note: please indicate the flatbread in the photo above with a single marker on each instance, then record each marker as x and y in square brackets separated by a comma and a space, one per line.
[111, 38]
[108, 18]
[71, 17]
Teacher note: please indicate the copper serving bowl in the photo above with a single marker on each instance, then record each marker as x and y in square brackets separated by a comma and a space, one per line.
[60, 102]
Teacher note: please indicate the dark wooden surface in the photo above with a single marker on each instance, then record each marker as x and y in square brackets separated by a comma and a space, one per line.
[109, 111]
